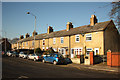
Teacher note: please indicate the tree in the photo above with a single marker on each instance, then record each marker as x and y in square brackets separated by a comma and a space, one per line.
[114, 13]
[50, 50]
[38, 50]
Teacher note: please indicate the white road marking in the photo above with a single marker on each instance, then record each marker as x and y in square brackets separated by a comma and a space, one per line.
[23, 77]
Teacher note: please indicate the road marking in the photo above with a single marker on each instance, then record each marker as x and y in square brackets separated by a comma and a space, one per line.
[101, 69]
[23, 77]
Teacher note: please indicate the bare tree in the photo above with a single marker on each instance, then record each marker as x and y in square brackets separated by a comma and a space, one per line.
[115, 12]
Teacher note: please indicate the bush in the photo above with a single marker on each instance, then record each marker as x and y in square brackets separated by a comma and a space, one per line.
[50, 50]
[38, 50]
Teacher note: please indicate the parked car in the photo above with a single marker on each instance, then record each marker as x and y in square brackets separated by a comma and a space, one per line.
[9, 53]
[35, 57]
[23, 55]
[68, 60]
[54, 58]
[15, 54]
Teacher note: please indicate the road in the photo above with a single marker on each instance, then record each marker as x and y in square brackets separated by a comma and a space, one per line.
[13, 67]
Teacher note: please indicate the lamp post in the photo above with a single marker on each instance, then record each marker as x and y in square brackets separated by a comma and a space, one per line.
[34, 29]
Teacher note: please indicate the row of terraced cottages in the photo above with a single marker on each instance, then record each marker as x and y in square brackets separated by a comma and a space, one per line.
[97, 37]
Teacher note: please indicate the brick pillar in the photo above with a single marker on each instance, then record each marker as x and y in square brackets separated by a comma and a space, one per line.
[109, 58]
[91, 58]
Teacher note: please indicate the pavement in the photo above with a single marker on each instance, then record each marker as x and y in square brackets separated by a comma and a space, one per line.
[99, 67]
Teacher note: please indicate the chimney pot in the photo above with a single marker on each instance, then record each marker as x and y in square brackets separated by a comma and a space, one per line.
[49, 30]
[34, 33]
[27, 35]
[93, 20]
[69, 26]
[21, 36]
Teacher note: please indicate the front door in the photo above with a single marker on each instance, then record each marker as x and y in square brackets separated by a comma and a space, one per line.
[96, 51]
[72, 53]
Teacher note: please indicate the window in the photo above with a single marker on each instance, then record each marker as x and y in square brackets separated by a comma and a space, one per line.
[17, 45]
[43, 42]
[55, 49]
[26, 43]
[46, 48]
[32, 43]
[77, 38]
[23, 44]
[62, 40]
[54, 40]
[88, 37]
[88, 51]
[43, 48]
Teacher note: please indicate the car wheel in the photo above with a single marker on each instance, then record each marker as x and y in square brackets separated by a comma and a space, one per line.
[54, 62]
[34, 59]
[28, 58]
[43, 61]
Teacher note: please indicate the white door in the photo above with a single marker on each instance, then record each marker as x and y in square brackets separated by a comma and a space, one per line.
[96, 51]
[63, 52]
[72, 53]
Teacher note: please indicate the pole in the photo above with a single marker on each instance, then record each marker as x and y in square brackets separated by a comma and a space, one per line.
[34, 34]
[5, 41]
[34, 29]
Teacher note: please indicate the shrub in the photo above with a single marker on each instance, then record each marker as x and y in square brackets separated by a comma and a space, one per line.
[50, 50]
[38, 50]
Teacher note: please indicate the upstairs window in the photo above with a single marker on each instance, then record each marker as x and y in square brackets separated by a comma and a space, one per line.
[23, 44]
[32, 43]
[77, 38]
[62, 41]
[26, 43]
[88, 37]
[43, 42]
[54, 40]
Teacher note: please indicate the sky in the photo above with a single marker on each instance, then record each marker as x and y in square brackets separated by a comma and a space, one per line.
[16, 21]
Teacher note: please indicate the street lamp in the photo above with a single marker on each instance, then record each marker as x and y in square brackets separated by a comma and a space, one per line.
[34, 29]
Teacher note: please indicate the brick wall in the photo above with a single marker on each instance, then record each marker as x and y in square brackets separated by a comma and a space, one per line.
[113, 59]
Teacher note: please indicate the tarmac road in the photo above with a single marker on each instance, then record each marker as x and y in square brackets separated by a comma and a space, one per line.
[15, 67]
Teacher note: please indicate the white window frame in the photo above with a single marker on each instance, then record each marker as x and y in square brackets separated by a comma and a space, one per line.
[88, 50]
[77, 36]
[32, 43]
[43, 42]
[54, 40]
[23, 44]
[43, 48]
[46, 47]
[17, 45]
[55, 49]
[26, 43]
[62, 38]
[88, 35]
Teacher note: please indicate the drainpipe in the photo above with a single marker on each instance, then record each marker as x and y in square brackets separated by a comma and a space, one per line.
[69, 46]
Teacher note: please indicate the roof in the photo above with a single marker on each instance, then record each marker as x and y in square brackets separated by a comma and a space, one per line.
[78, 30]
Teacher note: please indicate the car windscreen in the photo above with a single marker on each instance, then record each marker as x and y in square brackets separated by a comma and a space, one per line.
[21, 53]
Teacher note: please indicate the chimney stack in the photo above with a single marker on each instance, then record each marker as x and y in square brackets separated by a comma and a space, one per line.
[69, 26]
[34, 33]
[49, 30]
[21, 36]
[93, 20]
[27, 35]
